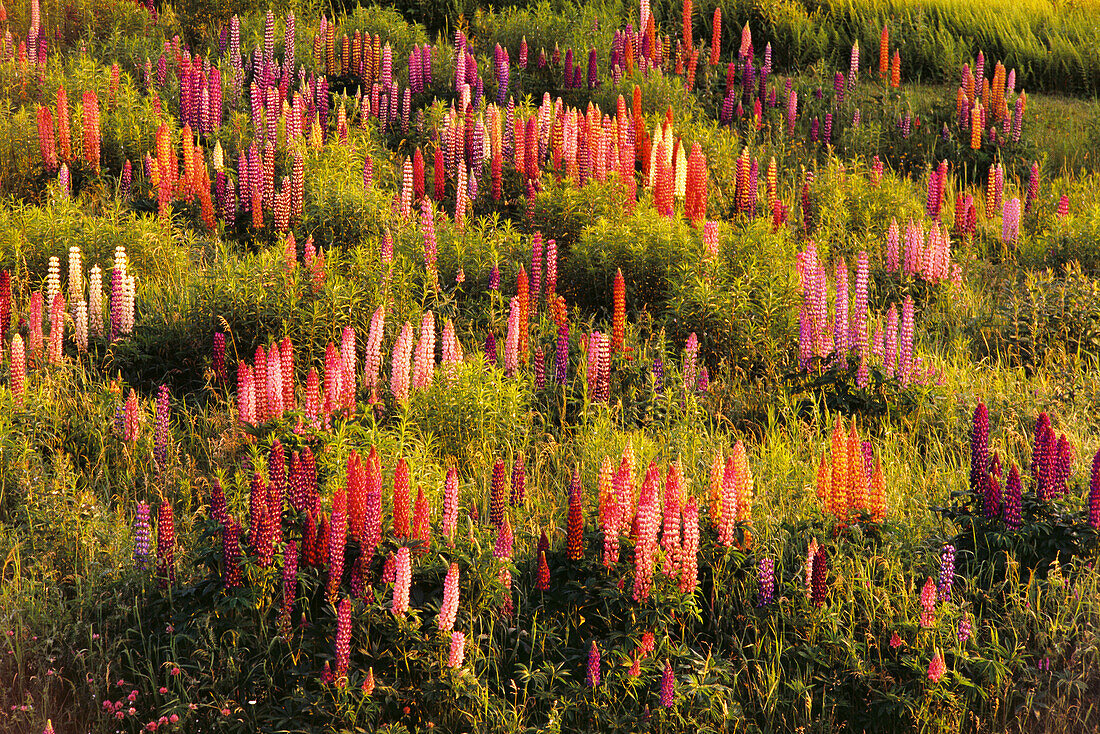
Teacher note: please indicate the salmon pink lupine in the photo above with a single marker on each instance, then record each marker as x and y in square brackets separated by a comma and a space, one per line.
[90, 120]
[421, 522]
[648, 521]
[457, 652]
[1010, 221]
[402, 581]
[936, 668]
[928, 602]
[448, 610]
[673, 509]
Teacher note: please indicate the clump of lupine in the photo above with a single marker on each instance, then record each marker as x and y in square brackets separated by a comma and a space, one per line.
[850, 482]
[923, 254]
[982, 108]
[851, 332]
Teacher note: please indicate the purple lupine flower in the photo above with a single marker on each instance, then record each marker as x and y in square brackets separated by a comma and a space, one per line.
[947, 573]
[814, 125]
[1018, 120]
[838, 86]
[160, 445]
[668, 686]
[765, 581]
[593, 70]
[540, 369]
[142, 535]
[491, 349]
[827, 132]
[658, 376]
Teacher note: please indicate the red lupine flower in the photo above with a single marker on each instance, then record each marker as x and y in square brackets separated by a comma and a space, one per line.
[166, 545]
[542, 581]
[618, 321]
[575, 522]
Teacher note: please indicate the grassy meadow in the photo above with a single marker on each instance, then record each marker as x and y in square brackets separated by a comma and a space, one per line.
[476, 367]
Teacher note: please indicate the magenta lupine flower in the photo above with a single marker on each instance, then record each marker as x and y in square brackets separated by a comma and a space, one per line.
[401, 359]
[1032, 187]
[491, 349]
[449, 608]
[494, 278]
[928, 603]
[160, 445]
[457, 652]
[142, 535]
[1094, 493]
[503, 547]
[979, 447]
[551, 268]
[231, 554]
[1010, 221]
[965, 630]
[592, 677]
[402, 581]
[765, 582]
[991, 497]
[337, 532]
[840, 310]
[343, 641]
[668, 686]
[710, 239]
[947, 573]
[792, 111]
[890, 341]
[561, 353]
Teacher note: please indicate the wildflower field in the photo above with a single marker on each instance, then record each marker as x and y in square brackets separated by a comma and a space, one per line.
[549, 367]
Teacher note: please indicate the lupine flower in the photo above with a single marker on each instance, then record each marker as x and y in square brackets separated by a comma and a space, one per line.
[575, 522]
[1012, 501]
[519, 481]
[979, 447]
[166, 545]
[687, 560]
[947, 573]
[936, 668]
[542, 574]
[401, 505]
[160, 448]
[965, 630]
[765, 582]
[819, 577]
[457, 652]
[1010, 222]
[402, 581]
[668, 686]
[1094, 493]
[928, 602]
[592, 677]
[290, 585]
[401, 359]
[449, 608]
[1063, 206]
[343, 641]
[18, 370]
[450, 504]
[335, 540]
[142, 535]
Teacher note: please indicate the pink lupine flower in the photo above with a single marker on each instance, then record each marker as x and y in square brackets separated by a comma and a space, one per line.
[592, 676]
[928, 602]
[336, 540]
[503, 548]
[648, 524]
[936, 668]
[1010, 221]
[424, 359]
[402, 356]
[691, 350]
[892, 245]
[511, 343]
[449, 609]
[402, 581]
[450, 504]
[452, 349]
[670, 531]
